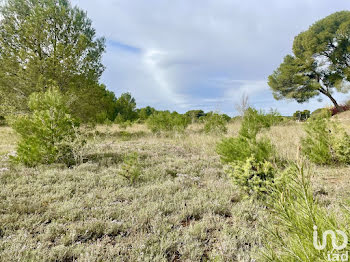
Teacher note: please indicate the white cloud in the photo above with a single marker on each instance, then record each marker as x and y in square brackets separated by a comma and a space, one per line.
[184, 45]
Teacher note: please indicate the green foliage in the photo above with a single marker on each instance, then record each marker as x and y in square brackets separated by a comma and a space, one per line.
[247, 156]
[303, 75]
[130, 168]
[340, 144]
[240, 148]
[215, 124]
[126, 108]
[194, 115]
[50, 43]
[252, 176]
[125, 124]
[226, 117]
[316, 144]
[146, 112]
[294, 213]
[254, 121]
[321, 113]
[246, 143]
[2, 121]
[94, 105]
[302, 115]
[326, 142]
[47, 135]
[167, 122]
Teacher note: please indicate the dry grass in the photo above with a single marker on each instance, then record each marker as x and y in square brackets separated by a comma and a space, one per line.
[183, 208]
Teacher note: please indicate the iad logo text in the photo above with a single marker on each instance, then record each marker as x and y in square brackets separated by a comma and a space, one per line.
[320, 246]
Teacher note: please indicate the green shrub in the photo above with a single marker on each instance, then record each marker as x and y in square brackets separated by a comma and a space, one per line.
[326, 142]
[252, 176]
[341, 146]
[321, 113]
[294, 212]
[167, 122]
[130, 169]
[46, 134]
[125, 124]
[215, 124]
[248, 157]
[254, 121]
[302, 115]
[316, 145]
[246, 144]
[226, 117]
[194, 115]
[240, 148]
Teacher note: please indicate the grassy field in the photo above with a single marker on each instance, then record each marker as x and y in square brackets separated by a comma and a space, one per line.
[183, 208]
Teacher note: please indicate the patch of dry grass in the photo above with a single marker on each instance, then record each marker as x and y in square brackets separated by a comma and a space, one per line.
[183, 208]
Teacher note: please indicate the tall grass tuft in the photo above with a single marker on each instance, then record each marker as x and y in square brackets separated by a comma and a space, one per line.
[296, 216]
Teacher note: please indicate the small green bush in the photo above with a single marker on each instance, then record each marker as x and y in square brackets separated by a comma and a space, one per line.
[316, 144]
[215, 124]
[302, 115]
[341, 145]
[252, 176]
[240, 148]
[125, 124]
[249, 158]
[122, 123]
[167, 122]
[321, 113]
[326, 142]
[48, 133]
[254, 121]
[130, 169]
[246, 144]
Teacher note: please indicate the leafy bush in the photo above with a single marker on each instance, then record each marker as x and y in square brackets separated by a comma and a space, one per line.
[321, 113]
[145, 112]
[194, 115]
[252, 176]
[340, 144]
[326, 142]
[48, 133]
[215, 124]
[254, 121]
[226, 117]
[249, 157]
[246, 144]
[316, 144]
[302, 115]
[241, 148]
[295, 211]
[167, 122]
[130, 169]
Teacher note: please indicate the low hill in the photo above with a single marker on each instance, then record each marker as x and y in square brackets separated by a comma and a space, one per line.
[343, 117]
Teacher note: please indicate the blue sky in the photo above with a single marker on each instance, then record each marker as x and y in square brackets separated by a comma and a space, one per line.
[202, 54]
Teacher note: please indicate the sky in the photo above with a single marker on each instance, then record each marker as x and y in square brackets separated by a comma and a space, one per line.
[202, 54]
